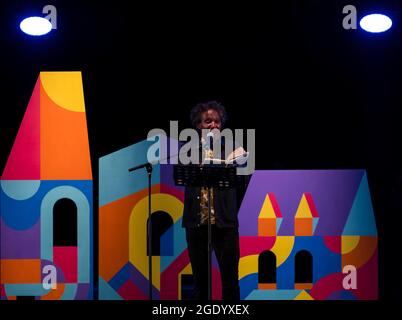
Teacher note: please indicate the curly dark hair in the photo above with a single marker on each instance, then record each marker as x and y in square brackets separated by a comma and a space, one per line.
[198, 109]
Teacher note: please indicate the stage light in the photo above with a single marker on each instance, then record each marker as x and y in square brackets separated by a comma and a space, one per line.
[36, 26]
[375, 23]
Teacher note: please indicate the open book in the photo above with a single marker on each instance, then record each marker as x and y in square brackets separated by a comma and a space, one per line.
[238, 156]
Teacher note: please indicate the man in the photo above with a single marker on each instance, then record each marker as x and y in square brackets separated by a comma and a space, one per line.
[224, 222]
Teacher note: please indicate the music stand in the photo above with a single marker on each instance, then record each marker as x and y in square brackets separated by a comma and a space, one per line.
[207, 176]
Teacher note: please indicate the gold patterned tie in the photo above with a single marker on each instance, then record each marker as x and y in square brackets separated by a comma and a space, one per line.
[204, 200]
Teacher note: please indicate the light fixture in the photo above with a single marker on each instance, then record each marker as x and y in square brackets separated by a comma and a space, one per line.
[36, 26]
[375, 23]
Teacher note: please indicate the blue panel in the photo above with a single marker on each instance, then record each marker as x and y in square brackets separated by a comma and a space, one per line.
[361, 220]
[341, 295]
[324, 261]
[167, 242]
[70, 289]
[20, 189]
[106, 292]
[21, 214]
[25, 290]
[120, 277]
[115, 181]
[248, 284]
[273, 294]
[180, 244]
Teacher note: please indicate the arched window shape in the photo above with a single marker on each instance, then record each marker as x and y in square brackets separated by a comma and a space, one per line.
[65, 223]
[267, 270]
[161, 223]
[187, 286]
[303, 270]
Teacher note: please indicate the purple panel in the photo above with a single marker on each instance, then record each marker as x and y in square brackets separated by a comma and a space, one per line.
[333, 192]
[23, 244]
[166, 172]
[341, 295]
[82, 291]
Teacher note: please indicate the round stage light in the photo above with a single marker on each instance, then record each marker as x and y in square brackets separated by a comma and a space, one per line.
[36, 26]
[375, 23]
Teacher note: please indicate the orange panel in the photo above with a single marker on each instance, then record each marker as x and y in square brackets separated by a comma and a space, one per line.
[362, 253]
[55, 294]
[266, 227]
[64, 146]
[303, 286]
[267, 286]
[21, 271]
[113, 233]
[303, 227]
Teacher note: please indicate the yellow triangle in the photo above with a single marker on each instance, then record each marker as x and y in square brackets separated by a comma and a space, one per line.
[304, 295]
[303, 211]
[267, 210]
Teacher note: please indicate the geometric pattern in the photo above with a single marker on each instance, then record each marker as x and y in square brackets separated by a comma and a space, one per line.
[123, 214]
[327, 213]
[49, 162]
[311, 221]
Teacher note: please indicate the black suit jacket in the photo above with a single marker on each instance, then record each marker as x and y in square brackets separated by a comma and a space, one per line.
[226, 203]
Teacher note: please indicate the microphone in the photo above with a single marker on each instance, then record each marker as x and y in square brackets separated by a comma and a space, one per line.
[207, 146]
[208, 142]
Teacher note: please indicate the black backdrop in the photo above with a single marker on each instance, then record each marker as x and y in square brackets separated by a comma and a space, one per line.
[319, 96]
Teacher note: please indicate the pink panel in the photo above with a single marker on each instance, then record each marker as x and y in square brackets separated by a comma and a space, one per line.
[169, 283]
[216, 284]
[311, 204]
[327, 285]
[66, 259]
[275, 205]
[3, 291]
[24, 160]
[172, 191]
[367, 279]
[255, 245]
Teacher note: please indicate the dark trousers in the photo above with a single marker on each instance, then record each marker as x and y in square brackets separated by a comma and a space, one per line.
[225, 243]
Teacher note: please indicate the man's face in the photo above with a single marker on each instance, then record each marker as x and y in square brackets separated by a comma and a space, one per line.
[210, 119]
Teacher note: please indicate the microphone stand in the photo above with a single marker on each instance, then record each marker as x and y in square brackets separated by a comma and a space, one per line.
[209, 247]
[148, 167]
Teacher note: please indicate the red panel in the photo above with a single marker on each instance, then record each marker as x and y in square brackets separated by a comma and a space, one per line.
[255, 245]
[129, 291]
[275, 205]
[24, 160]
[311, 204]
[333, 243]
[66, 259]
